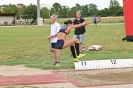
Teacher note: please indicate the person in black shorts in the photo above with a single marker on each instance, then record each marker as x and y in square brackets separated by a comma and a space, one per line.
[95, 21]
[55, 27]
[21, 21]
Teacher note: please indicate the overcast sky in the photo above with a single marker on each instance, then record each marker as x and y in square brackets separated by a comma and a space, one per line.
[100, 3]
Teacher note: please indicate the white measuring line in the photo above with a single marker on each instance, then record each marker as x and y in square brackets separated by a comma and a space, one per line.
[102, 64]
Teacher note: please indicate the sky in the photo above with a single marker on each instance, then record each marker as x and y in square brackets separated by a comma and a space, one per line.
[100, 3]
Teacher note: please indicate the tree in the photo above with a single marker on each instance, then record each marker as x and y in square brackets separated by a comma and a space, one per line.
[78, 6]
[65, 10]
[52, 11]
[93, 10]
[72, 12]
[84, 10]
[57, 9]
[11, 8]
[45, 12]
[20, 11]
[104, 12]
[114, 7]
[120, 12]
[31, 10]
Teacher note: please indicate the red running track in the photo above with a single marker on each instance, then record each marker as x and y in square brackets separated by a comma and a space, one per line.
[35, 79]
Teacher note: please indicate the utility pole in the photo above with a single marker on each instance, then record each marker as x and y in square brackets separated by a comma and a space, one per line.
[39, 19]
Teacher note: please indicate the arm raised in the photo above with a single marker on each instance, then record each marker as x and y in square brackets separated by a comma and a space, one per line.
[80, 25]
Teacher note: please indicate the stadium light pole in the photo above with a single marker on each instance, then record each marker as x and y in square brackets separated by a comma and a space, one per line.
[38, 8]
[38, 12]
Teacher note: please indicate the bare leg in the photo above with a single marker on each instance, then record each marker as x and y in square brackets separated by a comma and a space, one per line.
[81, 47]
[54, 54]
[57, 52]
[99, 23]
[70, 42]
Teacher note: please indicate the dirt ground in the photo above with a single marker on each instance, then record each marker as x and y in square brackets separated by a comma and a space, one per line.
[21, 70]
[89, 77]
[106, 76]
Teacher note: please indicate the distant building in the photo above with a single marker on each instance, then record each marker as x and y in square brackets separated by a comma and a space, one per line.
[7, 19]
[20, 5]
[46, 5]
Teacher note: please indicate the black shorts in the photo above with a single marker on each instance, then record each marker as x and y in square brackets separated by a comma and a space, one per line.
[95, 22]
[53, 45]
[59, 44]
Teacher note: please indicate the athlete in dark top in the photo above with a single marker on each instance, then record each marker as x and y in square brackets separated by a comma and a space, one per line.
[63, 43]
[95, 21]
[79, 32]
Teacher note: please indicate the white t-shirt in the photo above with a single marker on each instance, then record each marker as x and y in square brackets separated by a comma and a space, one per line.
[54, 29]
[21, 19]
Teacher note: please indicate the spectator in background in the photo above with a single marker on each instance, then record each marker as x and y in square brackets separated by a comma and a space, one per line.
[21, 21]
[79, 32]
[99, 20]
[95, 21]
[55, 27]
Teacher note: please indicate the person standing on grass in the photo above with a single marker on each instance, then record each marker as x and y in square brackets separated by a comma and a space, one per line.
[99, 20]
[95, 21]
[79, 32]
[55, 27]
[21, 21]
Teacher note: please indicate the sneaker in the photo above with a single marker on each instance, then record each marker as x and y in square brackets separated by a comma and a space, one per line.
[58, 64]
[55, 63]
[81, 55]
[76, 60]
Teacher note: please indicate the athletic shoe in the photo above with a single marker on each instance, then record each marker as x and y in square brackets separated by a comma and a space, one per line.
[81, 55]
[76, 60]
[55, 63]
[58, 64]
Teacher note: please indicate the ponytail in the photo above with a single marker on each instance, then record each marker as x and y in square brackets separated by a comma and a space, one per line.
[68, 22]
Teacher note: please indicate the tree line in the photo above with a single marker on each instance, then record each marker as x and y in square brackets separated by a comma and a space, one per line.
[61, 11]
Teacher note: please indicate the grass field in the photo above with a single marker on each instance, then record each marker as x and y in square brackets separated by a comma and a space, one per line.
[119, 19]
[110, 19]
[28, 46]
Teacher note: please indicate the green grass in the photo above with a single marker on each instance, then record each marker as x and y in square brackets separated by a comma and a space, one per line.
[29, 46]
[110, 19]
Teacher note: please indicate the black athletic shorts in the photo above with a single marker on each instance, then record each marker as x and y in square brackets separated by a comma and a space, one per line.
[95, 22]
[59, 44]
[53, 45]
